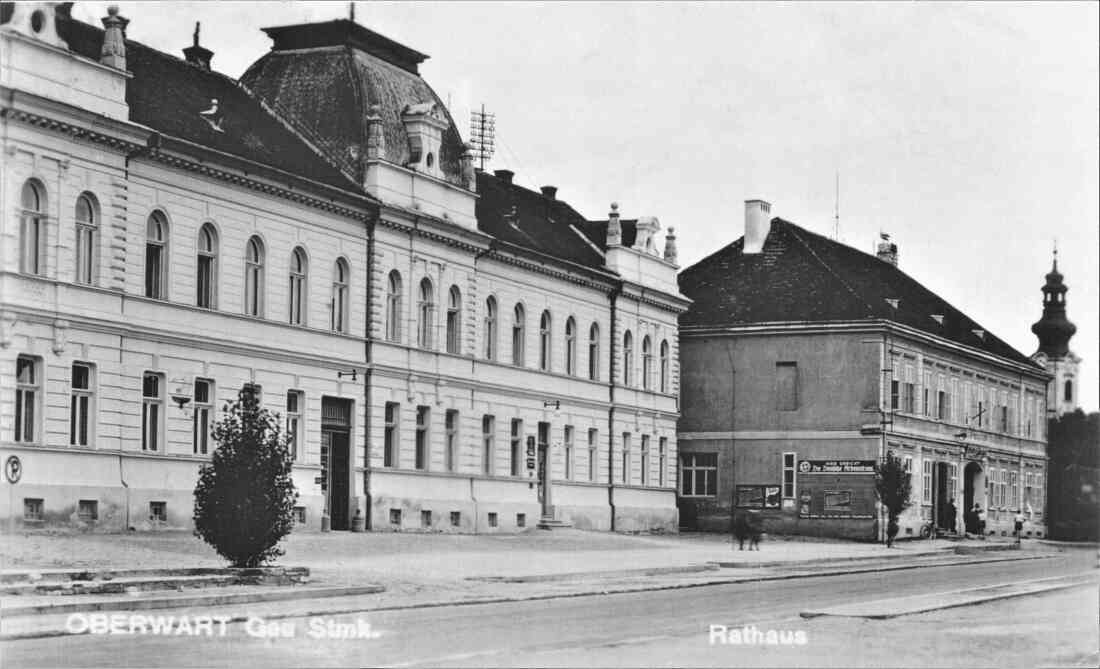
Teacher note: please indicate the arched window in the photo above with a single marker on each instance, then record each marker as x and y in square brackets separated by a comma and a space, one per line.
[647, 363]
[544, 342]
[491, 328]
[33, 233]
[664, 366]
[156, 256]
[254, 277]
[519, 334]
[454, 321]
[87, 228]
[341, 275]
[393, 307]
[594, 352]
[628, 359]
[299, 270]
[206, 268]
[1069, 391]
[571, 346]
[427, 313]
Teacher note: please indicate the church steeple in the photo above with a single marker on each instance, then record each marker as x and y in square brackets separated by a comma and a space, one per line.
[1054, 330]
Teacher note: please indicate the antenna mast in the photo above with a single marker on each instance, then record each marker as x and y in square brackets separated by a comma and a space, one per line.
[836, 214]
[482, 134]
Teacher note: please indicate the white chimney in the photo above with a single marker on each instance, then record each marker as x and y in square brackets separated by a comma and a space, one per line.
[758, 221]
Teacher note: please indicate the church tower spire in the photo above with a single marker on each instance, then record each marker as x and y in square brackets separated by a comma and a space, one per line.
[1054, 331]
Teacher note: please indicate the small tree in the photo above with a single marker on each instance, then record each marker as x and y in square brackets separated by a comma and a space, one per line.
[244, 498]
[894, 490]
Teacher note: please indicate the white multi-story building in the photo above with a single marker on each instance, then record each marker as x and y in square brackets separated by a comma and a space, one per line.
[448, 349]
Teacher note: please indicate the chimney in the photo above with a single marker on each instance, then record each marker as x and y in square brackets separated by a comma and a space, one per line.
[758, 222]
[888, 251]
[505, 175]
[614, 228]
[113, 53]
[197, 55]
[549, 191]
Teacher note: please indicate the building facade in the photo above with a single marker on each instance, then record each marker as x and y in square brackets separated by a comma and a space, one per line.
[805, 361]
[448, 350]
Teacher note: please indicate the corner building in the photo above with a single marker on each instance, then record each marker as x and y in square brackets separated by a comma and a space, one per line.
[805, 361]
[449, 350]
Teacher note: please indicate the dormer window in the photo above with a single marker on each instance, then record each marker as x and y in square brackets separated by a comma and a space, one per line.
[424, 125]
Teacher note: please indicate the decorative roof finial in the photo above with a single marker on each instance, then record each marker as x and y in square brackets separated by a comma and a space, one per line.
[614, 228]
[113, 53]
[671, 254]
[351, 11]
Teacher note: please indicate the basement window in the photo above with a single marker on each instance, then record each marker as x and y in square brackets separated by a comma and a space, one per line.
[493, 520]
[32, 509]
[456, 518]
[88, 510]
[425, 519]
[395, 516]
[521, 520]
[158, 512]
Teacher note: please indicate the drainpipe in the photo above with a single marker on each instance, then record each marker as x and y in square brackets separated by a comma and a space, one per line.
[367, 375]
[122, 480]
[733, 439]
[611, 357]
[884, 396]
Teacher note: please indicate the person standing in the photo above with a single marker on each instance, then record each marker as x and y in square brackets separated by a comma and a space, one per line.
[951, 517]
[1019, 522]
[981, 518]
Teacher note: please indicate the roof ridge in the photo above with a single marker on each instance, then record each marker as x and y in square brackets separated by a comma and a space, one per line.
[794, 231]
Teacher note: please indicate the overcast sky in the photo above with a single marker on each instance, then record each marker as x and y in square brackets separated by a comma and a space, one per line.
[966, 131]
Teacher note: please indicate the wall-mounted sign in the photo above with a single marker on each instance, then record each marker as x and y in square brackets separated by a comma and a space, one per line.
[836, 466]
[13, 469]
[758, 496]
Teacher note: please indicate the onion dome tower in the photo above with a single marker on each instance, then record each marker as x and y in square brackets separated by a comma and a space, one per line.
[1054, 331]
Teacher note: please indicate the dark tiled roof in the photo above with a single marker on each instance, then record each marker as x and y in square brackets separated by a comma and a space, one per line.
[523, 217]
[327, 90]
[597, 232]
[167, 94]
[803, 276]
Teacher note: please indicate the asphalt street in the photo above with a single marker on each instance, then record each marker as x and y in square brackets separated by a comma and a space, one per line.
[606, 630]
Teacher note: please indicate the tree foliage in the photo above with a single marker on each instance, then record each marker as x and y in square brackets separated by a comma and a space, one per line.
[894, 488]
[244, 498]
[1073, 481]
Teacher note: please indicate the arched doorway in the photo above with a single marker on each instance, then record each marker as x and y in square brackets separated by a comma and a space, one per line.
[973, 491]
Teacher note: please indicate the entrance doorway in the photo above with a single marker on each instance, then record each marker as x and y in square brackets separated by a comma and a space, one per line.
[942, 505]
[336, 459]
[544, 470]
[973, 481]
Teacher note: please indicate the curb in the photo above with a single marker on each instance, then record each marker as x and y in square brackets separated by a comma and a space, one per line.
[645, 571]
[40, 634]
[980, 599]
[832, 560]
[245, 574]
[222, 599]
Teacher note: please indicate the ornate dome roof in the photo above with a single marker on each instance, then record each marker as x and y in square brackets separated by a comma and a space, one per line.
[325, 78]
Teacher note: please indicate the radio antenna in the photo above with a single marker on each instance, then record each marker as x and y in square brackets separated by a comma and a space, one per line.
[482, 135]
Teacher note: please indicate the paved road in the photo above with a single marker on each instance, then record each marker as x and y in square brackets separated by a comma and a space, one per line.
[562, 631]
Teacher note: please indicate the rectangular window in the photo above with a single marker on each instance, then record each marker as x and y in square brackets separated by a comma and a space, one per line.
[662, 461]
[492, 519]
[521, 520]
[625, 473]
[568, 439]
[894, 406]
[789, 461]
[941, 406]
[926, 481]
[450, 424]
[152, 410]
[456, 518]
[390, 438]
[786, 386]
[27, 391]
[423, 415]
[645, 460]
[425, 518]
[395, 516]
[908, 391]
[32, 509]
[88, 510]
[517, 447]
[300, 515]
[488, 444]
[295, 403]
[953, 401]
[593, 453]
[952, 481]
[698, 474]
[926, 394]
[1013, 490]
[1040, 498]
[80, 404]
[200, 419]
[158, 512]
